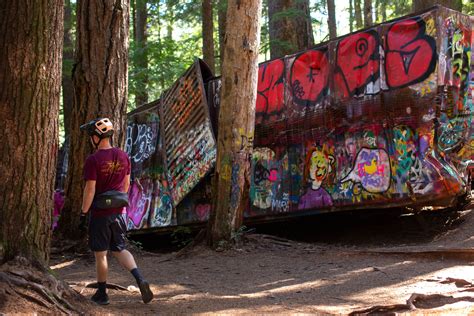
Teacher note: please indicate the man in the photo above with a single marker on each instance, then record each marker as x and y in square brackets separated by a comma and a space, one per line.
[108, 169]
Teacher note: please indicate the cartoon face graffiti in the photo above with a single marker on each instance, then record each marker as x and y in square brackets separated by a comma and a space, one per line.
[319, 168]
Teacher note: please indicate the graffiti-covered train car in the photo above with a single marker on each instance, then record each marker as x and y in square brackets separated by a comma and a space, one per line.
[377, 118]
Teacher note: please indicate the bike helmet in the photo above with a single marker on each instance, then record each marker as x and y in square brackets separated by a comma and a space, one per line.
[100, 127]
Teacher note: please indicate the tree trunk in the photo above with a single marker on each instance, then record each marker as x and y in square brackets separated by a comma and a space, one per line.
[141, 57]
[208, 34]
[221, 15]
[31, 38]
[100, 82]
[68, 61]
[289, 34]
[332, 19]
[419, 5]
[236, 119]
[170, 19]
[351, 16]
[358, 14]
[383, 9]
[376, 11]
[368, 21]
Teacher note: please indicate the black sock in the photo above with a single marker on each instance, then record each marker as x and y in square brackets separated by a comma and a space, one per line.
[136, 274]
[102, 286]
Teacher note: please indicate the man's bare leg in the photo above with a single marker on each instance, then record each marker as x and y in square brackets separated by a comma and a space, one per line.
[101, 266]
[125, 258]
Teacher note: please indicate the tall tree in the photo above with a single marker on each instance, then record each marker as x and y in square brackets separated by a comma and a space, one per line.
[221, 16]
[368, 21]
[358, 14]
[68, 61]
[31, 38]
[383, 10]
[351, 16]
[100, 82]
[236, 118]
[208, 33]
[419, 5]
[290, 26]
[141, 54]
[332, 19]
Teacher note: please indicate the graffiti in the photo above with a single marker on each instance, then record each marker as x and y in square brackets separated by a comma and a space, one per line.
[144, 144]
[140, 198]
[235, 187]
[162, 206]
[371, 170]
[309, 77]
[202, 211]
[317, 168]
[261, 193]
[270, 89]
[357, 64]
[410, 54]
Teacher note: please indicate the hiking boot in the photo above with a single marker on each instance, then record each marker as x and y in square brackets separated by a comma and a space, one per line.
[100, 298]
[147, 294]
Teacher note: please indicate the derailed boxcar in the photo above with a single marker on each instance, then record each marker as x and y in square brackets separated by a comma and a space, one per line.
[377, 118]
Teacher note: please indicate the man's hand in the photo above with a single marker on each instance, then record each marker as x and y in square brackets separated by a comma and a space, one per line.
[83, 222]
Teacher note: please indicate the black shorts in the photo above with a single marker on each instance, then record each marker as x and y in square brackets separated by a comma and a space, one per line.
[107, 233]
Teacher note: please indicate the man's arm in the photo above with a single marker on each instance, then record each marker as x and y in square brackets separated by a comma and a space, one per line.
[88, 196]
[126, 185]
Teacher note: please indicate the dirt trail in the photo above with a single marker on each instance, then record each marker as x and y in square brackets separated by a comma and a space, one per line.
[267, 275]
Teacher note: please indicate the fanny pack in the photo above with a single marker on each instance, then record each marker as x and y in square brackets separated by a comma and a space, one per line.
[110, 199]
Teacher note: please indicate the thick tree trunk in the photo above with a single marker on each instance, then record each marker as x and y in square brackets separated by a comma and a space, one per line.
[31, 38]
[221, 16]
[383, 9]
[332, 19]
[358, 14]
[419, 5]
[236, 118]
[100, 82]
[141, 58]
[208, 34]
[368, 21]
[289, 34]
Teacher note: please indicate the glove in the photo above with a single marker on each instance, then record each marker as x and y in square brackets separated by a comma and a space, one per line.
[83, 222]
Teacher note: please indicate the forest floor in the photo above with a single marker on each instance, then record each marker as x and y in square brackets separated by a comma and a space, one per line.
[328, 265]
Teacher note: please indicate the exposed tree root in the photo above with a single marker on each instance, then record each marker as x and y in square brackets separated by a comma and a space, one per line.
[22, 279]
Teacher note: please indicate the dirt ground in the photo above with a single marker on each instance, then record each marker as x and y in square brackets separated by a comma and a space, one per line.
[339, 274]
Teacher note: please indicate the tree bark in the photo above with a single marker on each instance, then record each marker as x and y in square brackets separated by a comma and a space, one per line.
[358, 14]
[368, 21]
[31, 38]
[221, 15]
[236, 118]
[100, 82]
[351, 16]
[141, 57]
[68, 60]
[332, 19]
[208, 34]
[419, 5]
[289, 34]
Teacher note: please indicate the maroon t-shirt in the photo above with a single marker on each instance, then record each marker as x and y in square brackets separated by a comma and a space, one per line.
[108, 167]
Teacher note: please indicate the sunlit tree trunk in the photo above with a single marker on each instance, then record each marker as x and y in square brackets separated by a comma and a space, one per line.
[368, 21]
[208, 33]
[100, 82]
[351, 16]
[31, 39]
[236, 118]
[68, 60]
[332, 19]
[358, 14]
[290, 27]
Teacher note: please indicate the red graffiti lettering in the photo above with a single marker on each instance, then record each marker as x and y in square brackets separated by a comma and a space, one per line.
[309, 77]
[410, 54]
[357, 63]
[270, 88]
